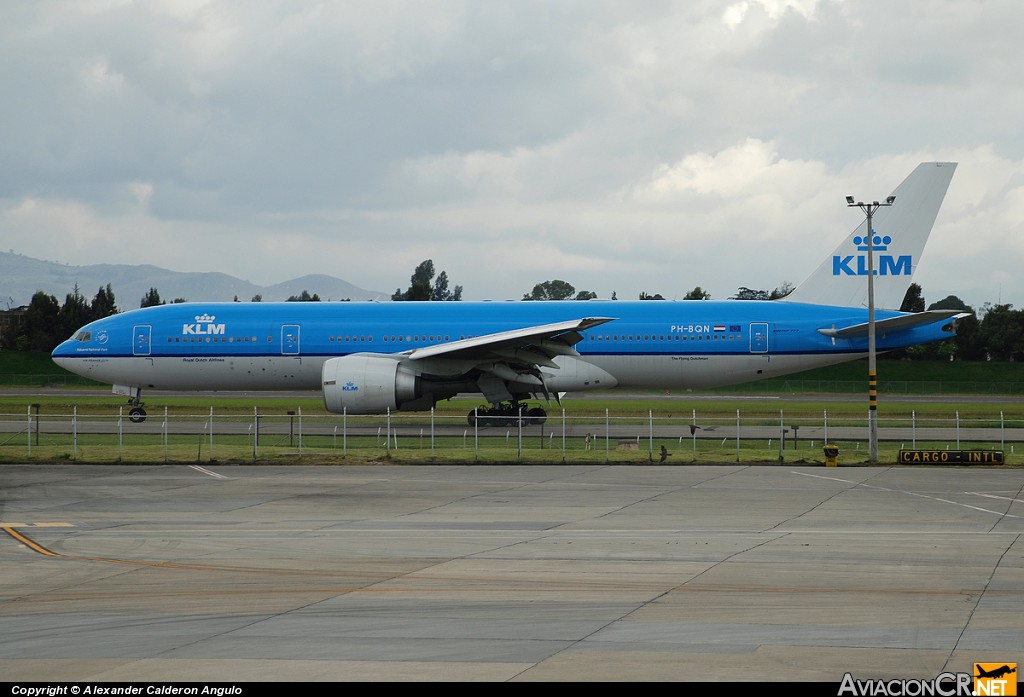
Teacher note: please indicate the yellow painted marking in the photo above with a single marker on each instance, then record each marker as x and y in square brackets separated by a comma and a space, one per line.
[37, 525]
[36, 547]
[30, 544]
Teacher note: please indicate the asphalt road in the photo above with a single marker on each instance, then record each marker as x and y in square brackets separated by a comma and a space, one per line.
[507, 573]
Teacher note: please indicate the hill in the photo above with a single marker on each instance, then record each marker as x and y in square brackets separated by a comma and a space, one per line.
[24, 276]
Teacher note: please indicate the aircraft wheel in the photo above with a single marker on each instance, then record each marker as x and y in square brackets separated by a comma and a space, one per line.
[137, 415]
[471, 418]
[537, 416]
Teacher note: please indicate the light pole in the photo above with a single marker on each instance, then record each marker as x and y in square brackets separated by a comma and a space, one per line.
[869, 210]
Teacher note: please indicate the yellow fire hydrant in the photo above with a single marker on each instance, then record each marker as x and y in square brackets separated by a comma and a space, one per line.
[831, 455]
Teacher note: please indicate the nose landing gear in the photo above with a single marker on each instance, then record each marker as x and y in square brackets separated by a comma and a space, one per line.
[136, 414]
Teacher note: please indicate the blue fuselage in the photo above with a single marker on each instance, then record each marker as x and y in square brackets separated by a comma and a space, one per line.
[648, 344]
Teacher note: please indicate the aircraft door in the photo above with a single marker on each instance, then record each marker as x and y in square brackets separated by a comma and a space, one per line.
[141, 339]
[759, 337]
[289, 340]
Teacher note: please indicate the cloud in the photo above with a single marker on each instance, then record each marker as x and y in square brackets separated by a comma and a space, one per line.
[650, 147]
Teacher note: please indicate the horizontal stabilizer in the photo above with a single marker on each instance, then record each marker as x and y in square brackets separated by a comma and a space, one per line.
[892, 324]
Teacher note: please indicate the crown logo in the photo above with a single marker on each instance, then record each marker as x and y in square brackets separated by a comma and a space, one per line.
[205, 318]
[878, 242]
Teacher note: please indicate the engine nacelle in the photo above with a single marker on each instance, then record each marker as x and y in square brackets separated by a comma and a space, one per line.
[367, 384]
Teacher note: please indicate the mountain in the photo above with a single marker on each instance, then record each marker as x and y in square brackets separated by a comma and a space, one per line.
[21, 277]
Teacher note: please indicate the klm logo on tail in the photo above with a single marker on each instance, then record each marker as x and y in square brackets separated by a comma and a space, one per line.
[887, 264]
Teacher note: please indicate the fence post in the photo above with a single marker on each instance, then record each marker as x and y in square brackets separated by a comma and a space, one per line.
[957, 429]
[737, 435]
[563, 435]
[211, 433]
[607, 436]
[782, 437]
[164, 429]
[255, 432]
[431, 431]
[913, 429]
[28, 430]
[693, 435]
[120, 443]
[299, 409]
[344, 431]
[650, 436]
[74, 431]
[519, 434]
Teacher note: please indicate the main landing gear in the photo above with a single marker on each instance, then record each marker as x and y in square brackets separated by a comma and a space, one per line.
[507, 414]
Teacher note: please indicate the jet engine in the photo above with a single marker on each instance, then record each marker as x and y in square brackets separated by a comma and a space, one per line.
[368, 384]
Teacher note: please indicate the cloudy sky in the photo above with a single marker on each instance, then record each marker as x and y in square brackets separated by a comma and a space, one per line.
[623, 147]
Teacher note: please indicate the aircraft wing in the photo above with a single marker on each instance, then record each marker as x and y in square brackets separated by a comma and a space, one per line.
[513, 357]
[537, 344]
[892, 324]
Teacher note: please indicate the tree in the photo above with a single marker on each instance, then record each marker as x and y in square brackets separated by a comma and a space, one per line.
[951, 302]
[1002, 329]
[103, 304]
[913, 301]
[41, 324]
[304, 297]
[440, 290]
[745, 293]
[697, 294]
[656, 296]
[422, 286]
[555, 290]
[258, 298]
[151, 299]
[782, 291]
[967, 345]
[969, 342]
[73, 314]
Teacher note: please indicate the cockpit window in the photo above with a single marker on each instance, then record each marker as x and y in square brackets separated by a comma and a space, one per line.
[83, 336]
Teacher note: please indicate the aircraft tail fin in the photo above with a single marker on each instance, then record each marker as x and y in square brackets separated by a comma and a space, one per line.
[900, 233]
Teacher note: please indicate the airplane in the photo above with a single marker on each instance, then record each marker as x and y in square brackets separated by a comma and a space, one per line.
[378, 357]
[995, 673]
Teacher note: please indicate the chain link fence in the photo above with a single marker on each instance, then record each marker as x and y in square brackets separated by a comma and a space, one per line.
[429, 437]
